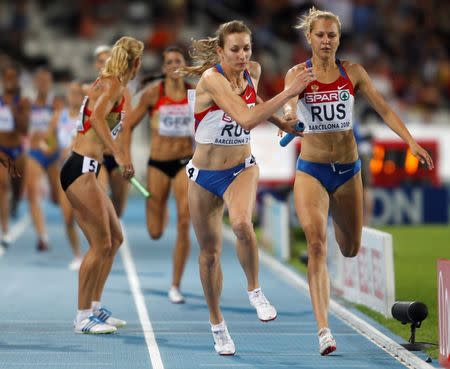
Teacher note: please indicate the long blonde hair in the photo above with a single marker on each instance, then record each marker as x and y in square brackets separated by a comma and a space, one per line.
[306, 21]
[203, 52]
[123, 54]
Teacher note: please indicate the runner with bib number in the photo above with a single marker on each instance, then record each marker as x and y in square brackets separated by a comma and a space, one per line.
[328, 168]
[101, 119]
[223, 170]
[110, 176]
[170, 150]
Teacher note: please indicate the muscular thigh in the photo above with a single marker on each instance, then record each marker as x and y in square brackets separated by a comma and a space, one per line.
[103, 178]
[312, 204]
[159, 186]
[34, 174]
[91, 208]
[206, 212]
[21, 163]
[18, 183]
[53, 178]
[114, 221]
[64, 203]
[240, 196]
[347, 209]
[180, 191]
[4, 177]
[119, 185]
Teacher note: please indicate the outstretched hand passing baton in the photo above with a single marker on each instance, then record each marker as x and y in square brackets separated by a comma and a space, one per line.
[299, 127]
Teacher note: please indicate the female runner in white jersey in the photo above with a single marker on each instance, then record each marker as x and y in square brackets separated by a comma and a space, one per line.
[43, 154]
[14, 121]
[223, 170]
[328, 169]
[63, 125]
[170, 150]
[101, 121]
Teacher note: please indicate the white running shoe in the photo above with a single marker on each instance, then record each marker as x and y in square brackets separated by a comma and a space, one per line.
[265, 311]
[327, 344]
[105, 316]
[175, 296]
[5, 242]
[2, 251]
[75, 264]
[223, 344]
[93, 325]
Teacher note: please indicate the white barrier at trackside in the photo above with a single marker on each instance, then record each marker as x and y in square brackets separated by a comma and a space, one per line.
[368, 278]
[275, 230]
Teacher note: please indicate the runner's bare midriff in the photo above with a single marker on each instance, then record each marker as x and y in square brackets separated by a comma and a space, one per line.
[217, 157]
[329, 147]
[9, 139]
[170, 148]
[89, 145]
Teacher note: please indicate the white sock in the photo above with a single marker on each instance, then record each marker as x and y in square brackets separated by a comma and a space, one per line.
[44, 237]
[96, 305]
[254, 292]
[83, 314]
[218, 327]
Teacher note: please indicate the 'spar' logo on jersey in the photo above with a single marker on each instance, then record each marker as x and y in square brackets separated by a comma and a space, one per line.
[321, 97]
[227, 118]
[344, 95]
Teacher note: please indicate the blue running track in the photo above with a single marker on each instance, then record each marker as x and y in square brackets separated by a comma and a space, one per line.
[38, 304]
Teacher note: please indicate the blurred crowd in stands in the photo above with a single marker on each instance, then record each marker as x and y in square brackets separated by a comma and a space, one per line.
[403, 44]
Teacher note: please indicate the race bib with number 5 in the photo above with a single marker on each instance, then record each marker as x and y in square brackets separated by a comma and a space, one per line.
[89, 165]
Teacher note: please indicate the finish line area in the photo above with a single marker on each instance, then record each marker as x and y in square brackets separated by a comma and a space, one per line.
[39, 299]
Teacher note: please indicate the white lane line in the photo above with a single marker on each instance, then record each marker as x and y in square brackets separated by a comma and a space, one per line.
[57, 364]
[365, 329]
[184, 332]
[19, 227]
[165, 322]
[387, 344]
[133, 280]
[16, 231]
[296, 365]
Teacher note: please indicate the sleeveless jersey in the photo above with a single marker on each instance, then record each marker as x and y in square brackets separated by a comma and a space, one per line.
[6, 115]
[40, 117]
[214, 126]
[114, 119]
[327, 107]
[66, 128]
[172, 118]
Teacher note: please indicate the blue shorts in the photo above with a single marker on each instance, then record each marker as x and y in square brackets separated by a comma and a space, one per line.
[332, 175]
[12, 152]
[42, 159]
[217, 181]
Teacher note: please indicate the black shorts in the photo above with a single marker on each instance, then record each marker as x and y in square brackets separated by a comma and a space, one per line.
[75, 166]
[169, 167]
[110, 163]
